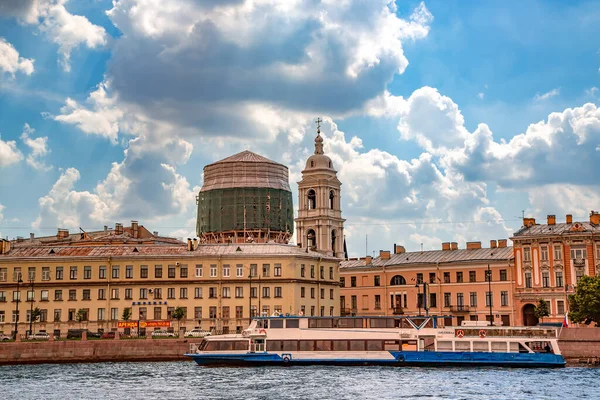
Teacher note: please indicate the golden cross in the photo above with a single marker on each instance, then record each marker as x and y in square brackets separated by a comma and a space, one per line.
[318, 121]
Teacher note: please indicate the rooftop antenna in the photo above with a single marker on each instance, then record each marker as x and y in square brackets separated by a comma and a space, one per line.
[366, 245]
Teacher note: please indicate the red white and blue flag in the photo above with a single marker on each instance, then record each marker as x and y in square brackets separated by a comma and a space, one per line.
[566, 320]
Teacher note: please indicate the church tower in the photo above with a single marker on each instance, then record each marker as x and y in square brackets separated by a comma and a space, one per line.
[320, 225]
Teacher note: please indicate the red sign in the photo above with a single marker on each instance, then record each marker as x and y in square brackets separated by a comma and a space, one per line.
[155, 324]
[127, 324]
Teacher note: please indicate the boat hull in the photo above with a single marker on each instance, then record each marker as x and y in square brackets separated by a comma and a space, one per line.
[393, 358]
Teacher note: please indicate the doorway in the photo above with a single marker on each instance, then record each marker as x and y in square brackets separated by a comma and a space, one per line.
[529, 318]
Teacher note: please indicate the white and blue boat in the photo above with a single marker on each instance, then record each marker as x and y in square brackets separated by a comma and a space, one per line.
[397, 341]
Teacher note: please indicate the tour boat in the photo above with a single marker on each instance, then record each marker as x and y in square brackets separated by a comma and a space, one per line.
[397, 341]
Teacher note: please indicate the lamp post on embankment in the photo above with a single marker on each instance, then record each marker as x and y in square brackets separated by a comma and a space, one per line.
[19, 281]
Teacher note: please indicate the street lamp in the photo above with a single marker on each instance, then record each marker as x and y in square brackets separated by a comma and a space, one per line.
[19, 281]
[418, 297]
[31, 309]
[489, 279]
[425, 300]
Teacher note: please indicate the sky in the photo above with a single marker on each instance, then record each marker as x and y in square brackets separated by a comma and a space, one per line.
[447, 120]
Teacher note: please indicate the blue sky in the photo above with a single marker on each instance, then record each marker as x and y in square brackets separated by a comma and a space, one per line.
[445, 119]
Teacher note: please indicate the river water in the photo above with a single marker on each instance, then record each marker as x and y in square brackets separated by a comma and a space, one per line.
[184, 380]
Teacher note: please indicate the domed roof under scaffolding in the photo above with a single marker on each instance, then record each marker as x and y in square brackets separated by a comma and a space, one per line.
[245, 198]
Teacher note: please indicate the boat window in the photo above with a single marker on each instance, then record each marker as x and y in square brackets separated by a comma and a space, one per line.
[320, 323]
[350, 323]
[307, 345]
[499, 347]
[274, 345]
[481, 346]
[443, 345]
[462, 345]
[240, 345]
[277, 324]
[323, 345]
[290, 345]
[292, 323]
[340, 345]
[226, 345]
[357, 345]
[523, 349]
[202, 346]
[382, 322]
[374, 345]
[212, 346]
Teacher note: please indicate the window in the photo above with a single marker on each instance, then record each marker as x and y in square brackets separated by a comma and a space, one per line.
[87, 272]
[579, 272]
[73, 273]
[197, 312]
[226, 292]
[473, 299]
[102, 272]
[45, 274]
[183, 293]
[239, 292]
[331, 294]
[398, 280]
[101, 314]
[213, 270]
[459, 277]
[331, 195]
[143, 313]
[129, 272]
[170, 293]
[43, 296]
[527, 254]
[557, 252]
[302, 292]
[72, 294]
[198, 293]
[116, 272]
[239, 312]
[226, 270]
[212, 312]
[503, 275]
[312, 196]
[353, 302]
[312, 271]
[544, 253]
[302, 272]
[212, 293]
[199, 271]
[171, 271]
[158, 271]
[342, 281]
[71, 314]
[143, 271]
[488, 299]
[128, 294]
[183, 271]
[253, 270]
[86, 294]
[546, 279]
[266, 270]
[352, 281]
[419, 278]
[446, 277]
[331, 273]
[114, 294]
[57, 315]
[472, 276]
[16, 295]
[277, 270]
[114, 314]
[31, 273]
[504, 298]
[488, 275]
[3, 296]
[266, 292]
[312, 293]
[157, 312]
[559, 278]
[2, 317]
[102, 294]
[578, 253]
[30, 295]
[277, 291]
[322, 272]
[4, 274]
[447, 299]
[254, 292]
[312, 311]
[322, 293]
[560, 307]
[377, 302]
[43, 315]
[239, 270]
[528, 280]
[157, 293]
[376, 280]
[432, 277]
[432, 300]
[460, 300]
[143, 293]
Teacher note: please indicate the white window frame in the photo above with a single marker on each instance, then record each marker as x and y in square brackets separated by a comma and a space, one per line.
[213, 270]
[239, 270]
[226, 270]
[199, 271]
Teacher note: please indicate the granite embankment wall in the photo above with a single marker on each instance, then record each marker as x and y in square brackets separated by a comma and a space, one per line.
[578, 343]
[73, 351]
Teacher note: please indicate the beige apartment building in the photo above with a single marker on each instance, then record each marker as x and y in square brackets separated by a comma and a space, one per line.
[452, 283]
[96, 276]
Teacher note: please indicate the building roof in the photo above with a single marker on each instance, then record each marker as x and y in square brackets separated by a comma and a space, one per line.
[557, 229]
[246, 156]
[433, 257]
[143, 251]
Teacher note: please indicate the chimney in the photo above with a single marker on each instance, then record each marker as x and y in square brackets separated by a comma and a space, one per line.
[446, 246]
[473, 245]
[502, 243]
[493, 244]
[155, 233]
[195, 243]
[118, 229]
[4, 246]
[189, 244]
[594, 217]
[528, 222]
[105, 229]
[453, 246]
[134, 229]
[384, 255]
[399, 249]
[62, 233]
[569, 219]
[32, 236]
[551, 219]
[368, 260]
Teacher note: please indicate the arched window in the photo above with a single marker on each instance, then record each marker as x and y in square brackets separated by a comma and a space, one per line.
[312, 199]
[333, 238]
[331, 199]
[398, 280]
[330, 164]
[312, 164]
[311, 239]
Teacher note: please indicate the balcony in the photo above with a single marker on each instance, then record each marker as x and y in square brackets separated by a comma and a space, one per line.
[397, 310]
[459, 309]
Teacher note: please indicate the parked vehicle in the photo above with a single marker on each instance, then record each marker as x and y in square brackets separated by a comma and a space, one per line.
[163, 333]
[4, 337]
[39, 336]
[197, 333]
[77, 333]
[110, 335]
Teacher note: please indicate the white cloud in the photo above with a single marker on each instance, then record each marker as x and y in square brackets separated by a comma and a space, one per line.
[38, 146]
[591, 91]
[11, 62]
[562, 199]
[9, 154]
[480, 95]
[1, 216]
[547, 95]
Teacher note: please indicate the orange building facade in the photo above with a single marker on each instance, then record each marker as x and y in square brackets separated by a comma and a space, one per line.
[450, 282]
[549, 261]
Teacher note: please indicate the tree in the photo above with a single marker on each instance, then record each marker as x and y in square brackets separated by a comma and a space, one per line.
[179, 314]
[126, 314]
[542, 309]
[35, 315]
[81, 316]
[584, 304]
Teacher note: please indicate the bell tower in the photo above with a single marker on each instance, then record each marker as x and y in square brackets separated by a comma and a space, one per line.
[320, 225]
